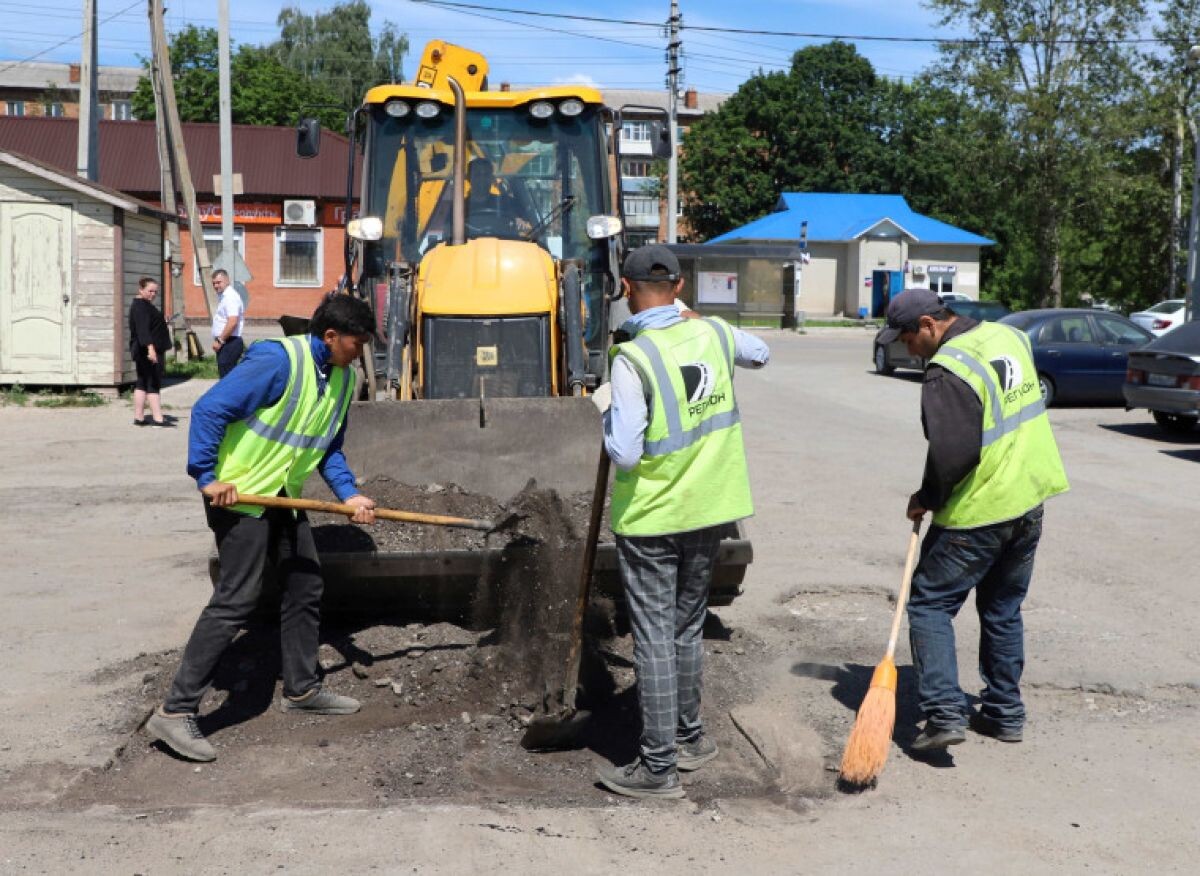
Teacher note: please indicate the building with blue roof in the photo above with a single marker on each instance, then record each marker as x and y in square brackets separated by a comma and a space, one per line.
[864, 248]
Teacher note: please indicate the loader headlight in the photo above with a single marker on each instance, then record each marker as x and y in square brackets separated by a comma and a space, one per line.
[397, 109]
[572, 106]
[541, 109]
[427, 109]
[365, 228]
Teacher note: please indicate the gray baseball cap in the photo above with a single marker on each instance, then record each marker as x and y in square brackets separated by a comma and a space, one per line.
[906, 309]
[652, 263]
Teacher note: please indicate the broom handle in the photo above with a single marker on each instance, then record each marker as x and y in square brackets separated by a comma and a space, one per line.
[350, 510]
[910, 562]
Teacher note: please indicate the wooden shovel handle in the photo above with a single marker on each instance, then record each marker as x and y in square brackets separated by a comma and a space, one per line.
[910, 562]
[351, 510]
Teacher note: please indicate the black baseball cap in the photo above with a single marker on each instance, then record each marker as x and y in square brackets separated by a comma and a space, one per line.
[906, 309]
[652, 263]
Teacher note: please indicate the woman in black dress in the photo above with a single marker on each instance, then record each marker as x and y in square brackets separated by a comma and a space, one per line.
[149, 341]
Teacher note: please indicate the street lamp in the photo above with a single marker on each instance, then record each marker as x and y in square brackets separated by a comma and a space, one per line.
[1193, 290]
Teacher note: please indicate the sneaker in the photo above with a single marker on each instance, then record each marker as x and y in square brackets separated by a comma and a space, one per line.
[321, 702]
[693, 755]
[985, 726]
[635, 780]
[180, 734]
[935, 738]
[140, 423]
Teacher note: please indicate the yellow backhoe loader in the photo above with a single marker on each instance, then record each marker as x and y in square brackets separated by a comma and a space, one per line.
[488, 242]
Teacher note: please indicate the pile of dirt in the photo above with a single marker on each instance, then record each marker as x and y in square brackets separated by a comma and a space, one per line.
[441, 721]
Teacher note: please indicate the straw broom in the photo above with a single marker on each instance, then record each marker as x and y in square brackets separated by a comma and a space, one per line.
[869, 742]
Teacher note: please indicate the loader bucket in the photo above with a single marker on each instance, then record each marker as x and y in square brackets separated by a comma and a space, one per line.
[490, 447]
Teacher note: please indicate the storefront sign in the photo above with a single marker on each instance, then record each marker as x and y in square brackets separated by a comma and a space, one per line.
[335, 214]
[943, 269]
[245, 214]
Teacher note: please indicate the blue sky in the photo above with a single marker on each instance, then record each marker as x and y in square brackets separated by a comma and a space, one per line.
[522, 49]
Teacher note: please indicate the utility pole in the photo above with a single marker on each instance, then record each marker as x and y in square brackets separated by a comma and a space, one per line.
[166, 186]
[161, 67]
[1192, 309]
[673, 70]
[87, 163]
[226, 132]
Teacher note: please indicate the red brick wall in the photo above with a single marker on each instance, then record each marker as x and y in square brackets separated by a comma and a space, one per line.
[267, 301]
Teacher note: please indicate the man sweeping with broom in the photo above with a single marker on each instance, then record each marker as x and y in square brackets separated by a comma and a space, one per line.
[992, 462]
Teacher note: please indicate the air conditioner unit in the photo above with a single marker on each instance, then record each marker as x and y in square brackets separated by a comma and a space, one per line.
[300, 213]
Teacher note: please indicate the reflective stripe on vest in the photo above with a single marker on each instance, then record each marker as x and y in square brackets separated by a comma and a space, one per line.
[677, 438]
[692, 471]
[279, 432]
[1003, 425]
[1019, 463]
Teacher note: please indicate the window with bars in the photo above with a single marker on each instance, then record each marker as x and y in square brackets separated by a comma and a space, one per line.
[298, 256]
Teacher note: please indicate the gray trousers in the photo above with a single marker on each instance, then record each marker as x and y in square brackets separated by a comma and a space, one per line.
[666, 580]
[243, 545]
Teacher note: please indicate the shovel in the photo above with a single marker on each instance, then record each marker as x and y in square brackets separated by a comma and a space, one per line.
[380, 513]
[549, 732]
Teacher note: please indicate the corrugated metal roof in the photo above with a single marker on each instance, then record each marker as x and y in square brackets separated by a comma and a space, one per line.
[264, 156]
[841, 217]
[101, 192]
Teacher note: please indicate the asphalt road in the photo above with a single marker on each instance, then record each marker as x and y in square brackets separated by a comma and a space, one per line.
[104, 550]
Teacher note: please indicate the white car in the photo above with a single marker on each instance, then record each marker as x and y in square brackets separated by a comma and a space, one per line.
[951, 297]
[1162, 317]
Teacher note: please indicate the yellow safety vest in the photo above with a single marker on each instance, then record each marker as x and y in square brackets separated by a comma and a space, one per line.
[1019, 464]
[692, 473]
[277, 448]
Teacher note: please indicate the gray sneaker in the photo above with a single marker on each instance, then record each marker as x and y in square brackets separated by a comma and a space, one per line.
[634, 780]
[180, 734]
[321, 702]
[693, 755]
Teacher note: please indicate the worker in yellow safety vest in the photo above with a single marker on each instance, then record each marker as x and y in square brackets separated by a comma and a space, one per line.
[992, 461]
[674, 431]
[271, 422]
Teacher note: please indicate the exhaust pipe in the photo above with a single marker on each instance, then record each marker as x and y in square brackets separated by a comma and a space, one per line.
[458, 215]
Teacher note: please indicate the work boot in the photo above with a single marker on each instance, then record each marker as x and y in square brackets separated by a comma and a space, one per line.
[695, 754]
[321, 702]
[635, 780]
[935, 738]
[985, 726]
[180, 734]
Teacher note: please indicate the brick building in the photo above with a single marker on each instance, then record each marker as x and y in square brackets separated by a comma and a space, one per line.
[42, 88]
[288, 224]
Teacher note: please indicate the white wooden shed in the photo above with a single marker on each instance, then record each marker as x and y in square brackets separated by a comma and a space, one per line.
[71, 254]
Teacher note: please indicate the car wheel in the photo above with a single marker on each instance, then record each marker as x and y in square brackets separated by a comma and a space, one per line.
[1046, 385]
[881, 360]
[1176, 423]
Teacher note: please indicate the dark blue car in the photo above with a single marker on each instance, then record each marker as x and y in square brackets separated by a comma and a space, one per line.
[1081, 355]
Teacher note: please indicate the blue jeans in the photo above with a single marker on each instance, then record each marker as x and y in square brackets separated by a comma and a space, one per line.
[997, 562]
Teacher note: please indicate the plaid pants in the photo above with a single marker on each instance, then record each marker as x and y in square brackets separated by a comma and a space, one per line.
[666, 580]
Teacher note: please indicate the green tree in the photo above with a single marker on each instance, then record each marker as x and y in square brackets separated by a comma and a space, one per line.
[1059, 76]
[262, 90]
[337, 47]
[810, 128]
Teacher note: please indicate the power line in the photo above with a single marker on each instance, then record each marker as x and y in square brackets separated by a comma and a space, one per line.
[953, 41]
[68, 39]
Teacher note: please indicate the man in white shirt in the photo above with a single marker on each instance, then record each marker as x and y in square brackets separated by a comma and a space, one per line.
[227, 323]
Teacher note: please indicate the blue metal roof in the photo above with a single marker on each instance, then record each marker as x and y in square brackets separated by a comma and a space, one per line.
[842, 217]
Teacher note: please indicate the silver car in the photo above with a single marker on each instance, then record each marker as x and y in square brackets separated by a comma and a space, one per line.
[1164, 378]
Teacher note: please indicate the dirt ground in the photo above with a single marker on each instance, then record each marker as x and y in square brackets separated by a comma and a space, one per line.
[106, 571]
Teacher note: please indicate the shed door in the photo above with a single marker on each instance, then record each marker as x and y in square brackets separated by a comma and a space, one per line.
[35, 289]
